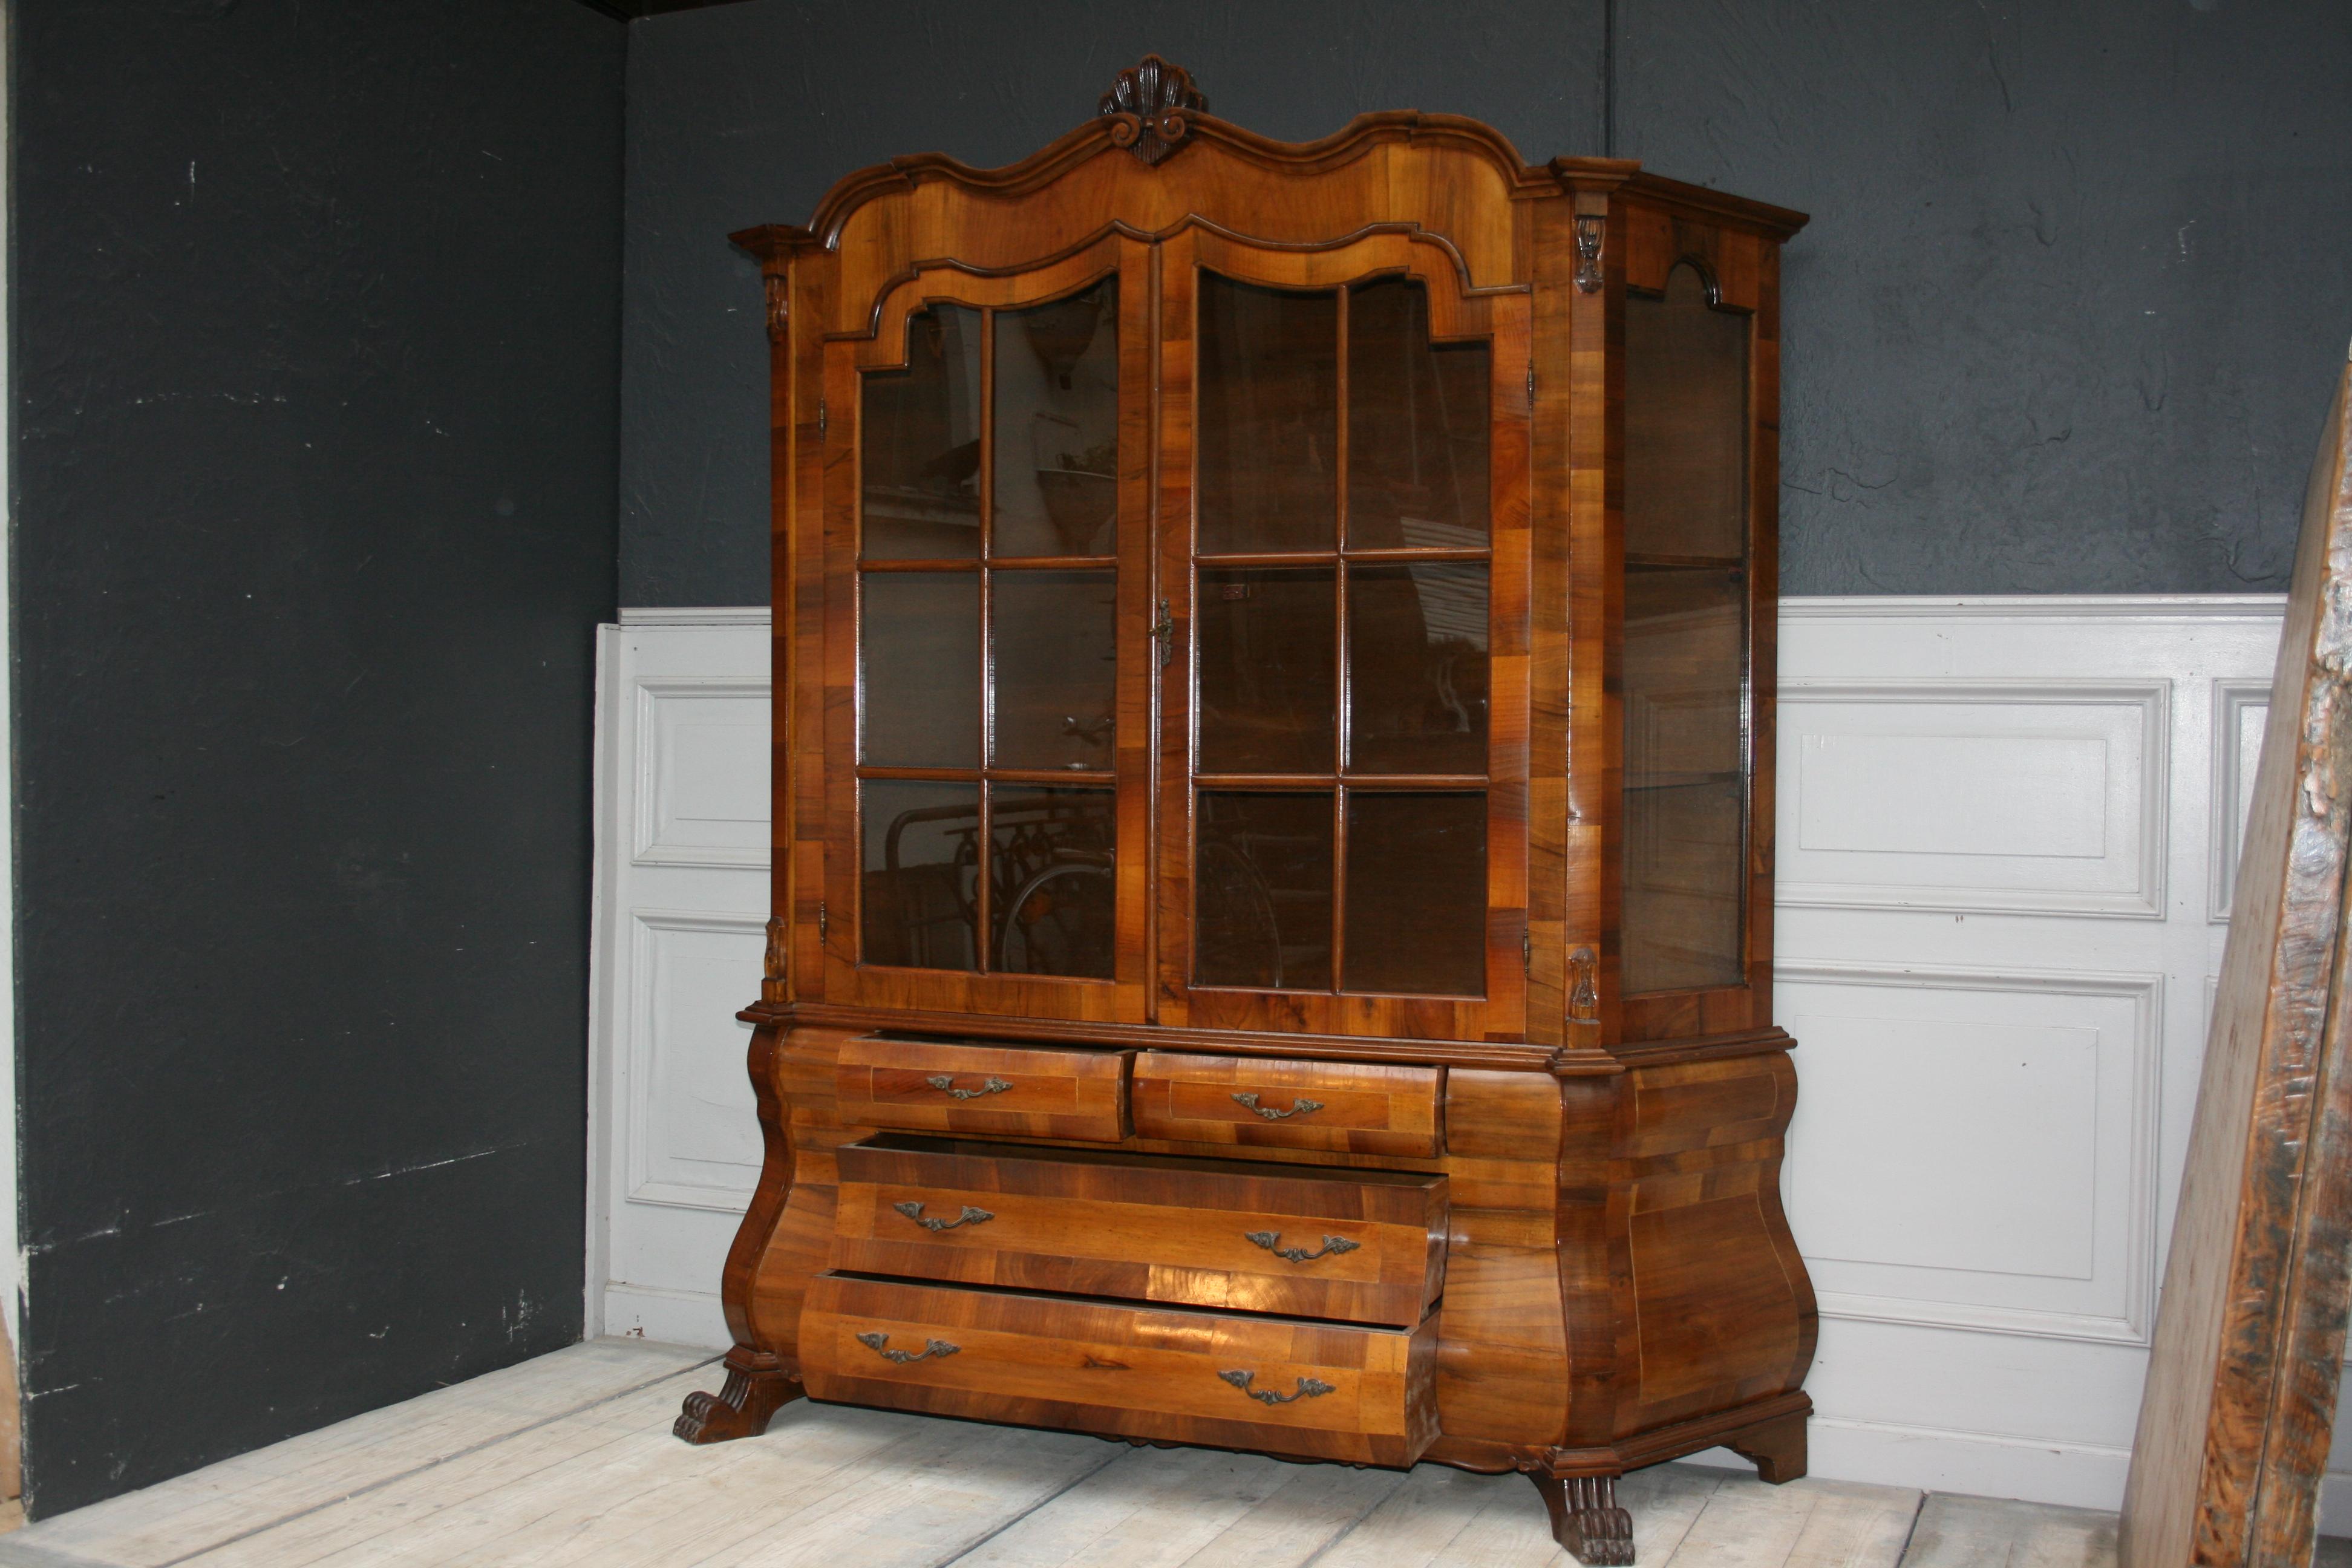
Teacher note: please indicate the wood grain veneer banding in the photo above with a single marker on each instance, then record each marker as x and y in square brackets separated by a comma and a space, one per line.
[1359, 1395]
[1360, 1246]
[935, 1085]
[1346, 1108]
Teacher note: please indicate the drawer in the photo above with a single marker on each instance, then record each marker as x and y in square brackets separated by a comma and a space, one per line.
[1322, 1391]
[957, 1086]
[1364, 1246]
[1346, 1108]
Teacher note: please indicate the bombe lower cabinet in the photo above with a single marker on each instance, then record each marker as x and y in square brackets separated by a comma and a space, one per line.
[1272, 860]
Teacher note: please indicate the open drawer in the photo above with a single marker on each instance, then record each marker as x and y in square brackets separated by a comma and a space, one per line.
[1322, 1391]
[1364, 1246]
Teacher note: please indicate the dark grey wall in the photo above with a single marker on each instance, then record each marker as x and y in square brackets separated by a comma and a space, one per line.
[315, 328]
[2065, 319]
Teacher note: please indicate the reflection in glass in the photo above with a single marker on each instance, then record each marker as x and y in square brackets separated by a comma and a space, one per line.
[920, 436]
[1267, 686]
[921, 870]
[1054, 657]
[1686, 778]
[1417, 425]
[1267, 440]
[919, 659]
[1051, 883]
[1056, 471]
[1686, 424]
[1416, 912]
[1262, 890]
[1417, 669]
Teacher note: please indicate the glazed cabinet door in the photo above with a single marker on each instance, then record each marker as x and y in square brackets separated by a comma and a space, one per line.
[988, 642]
[1343, 603]
[1699, 405]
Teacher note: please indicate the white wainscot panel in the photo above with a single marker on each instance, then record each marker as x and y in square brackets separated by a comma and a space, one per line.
[693, 1131]
[2241, 710]
[2023, 798]
[1975, 1150]
[702, 784]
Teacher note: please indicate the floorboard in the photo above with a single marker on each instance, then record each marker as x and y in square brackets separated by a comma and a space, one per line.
[567, 1462]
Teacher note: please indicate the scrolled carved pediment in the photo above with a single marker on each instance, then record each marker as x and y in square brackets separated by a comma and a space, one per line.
[1148, 108]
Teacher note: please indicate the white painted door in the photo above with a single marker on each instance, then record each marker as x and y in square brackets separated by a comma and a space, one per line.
[680, 926]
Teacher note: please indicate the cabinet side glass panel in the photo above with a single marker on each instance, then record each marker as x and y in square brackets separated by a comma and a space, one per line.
[1686, 671]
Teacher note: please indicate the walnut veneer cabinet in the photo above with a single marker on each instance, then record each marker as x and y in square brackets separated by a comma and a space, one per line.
[1273, 804]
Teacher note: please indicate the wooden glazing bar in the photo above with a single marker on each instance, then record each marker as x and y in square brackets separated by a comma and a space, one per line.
[1341, 679]
[1405, 555]
[986, 845]
[1333, 781]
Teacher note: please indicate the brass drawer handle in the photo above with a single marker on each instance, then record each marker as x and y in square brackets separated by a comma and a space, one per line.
[1297, 1107]
[1309, 1388]
[1271, 1241]
[946, 1083]
[970, 1216]
[875, 1342]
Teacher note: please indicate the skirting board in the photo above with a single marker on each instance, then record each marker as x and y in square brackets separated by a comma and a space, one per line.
[672, 1317]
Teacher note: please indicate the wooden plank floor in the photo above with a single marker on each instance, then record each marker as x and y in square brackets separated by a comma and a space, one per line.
[567, 1461]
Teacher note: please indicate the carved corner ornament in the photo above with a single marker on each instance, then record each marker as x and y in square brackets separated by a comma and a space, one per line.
[1591, 228]
[1583, 996]
[779, 296]
[1146, 107]
[772, 966]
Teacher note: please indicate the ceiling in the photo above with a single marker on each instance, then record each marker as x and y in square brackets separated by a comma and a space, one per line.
[630, 10]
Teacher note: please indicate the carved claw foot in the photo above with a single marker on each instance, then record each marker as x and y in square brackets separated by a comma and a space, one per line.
[1777, 1448]
[742, 1408]
[1586, 1519]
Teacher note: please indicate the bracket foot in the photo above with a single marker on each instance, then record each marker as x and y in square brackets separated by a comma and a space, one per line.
[1777, 1448]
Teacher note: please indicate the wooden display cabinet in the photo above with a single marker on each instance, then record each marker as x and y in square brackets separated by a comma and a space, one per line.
[1272, 940]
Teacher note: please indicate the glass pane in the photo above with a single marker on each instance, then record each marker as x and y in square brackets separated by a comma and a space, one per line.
[1686, 778]
[1417, 893]
[1261, 891]
[1057, 427]
[1268, 433]
[1051, 883]
[1268, 693]
[1686, 424]
[1417, 425]
[920, 431]
[922, 866]
[1055, 656]
[920, 669]
[1417, 669]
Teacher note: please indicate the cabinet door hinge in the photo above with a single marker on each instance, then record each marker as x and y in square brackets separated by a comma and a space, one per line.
[820, 922]
[1527, 952]
[1531, 385]
[820, 416]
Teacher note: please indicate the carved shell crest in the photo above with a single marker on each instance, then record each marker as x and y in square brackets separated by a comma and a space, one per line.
[1147, 107]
